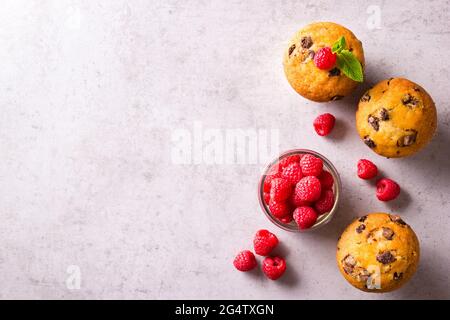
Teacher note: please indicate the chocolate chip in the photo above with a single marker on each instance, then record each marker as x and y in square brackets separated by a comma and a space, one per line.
[398, 276]
[389, 81]
[385, 257]
[396, 218]
[369, 142]
[417, 89]
[362, 219]
[349, 260]
[311, 54]
[334, 72]
[347, 269]
[410, 101]
[384, 115]
[334, 98]
[373, 121]
[291, 49]
[388, 233]
[407, 139]
[306, 42]
[364, 275]
[366, 97]
[360, 228]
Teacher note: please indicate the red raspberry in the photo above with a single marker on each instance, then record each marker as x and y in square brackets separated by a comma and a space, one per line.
[308, 189]
[366, 169]
[325, 202]
[266, 198]
[273, 173]
[286, 219]
[387, 189]
[288, 160]
[305, 217]
[324, 123]
[281, 189]
[279, 209]
[292, 173]
[245, 261]
[295, 201]
[324, 58]
[264, 242]
[326, 180]
[311, 165]
[273, 267]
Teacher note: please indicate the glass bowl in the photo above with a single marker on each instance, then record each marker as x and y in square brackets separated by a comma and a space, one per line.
[322, 219]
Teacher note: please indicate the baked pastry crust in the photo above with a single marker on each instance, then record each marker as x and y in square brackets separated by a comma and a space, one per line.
[378, 252]
[308, 80]
[396, 118]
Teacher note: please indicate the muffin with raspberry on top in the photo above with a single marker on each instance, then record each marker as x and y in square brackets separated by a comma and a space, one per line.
[324, 61]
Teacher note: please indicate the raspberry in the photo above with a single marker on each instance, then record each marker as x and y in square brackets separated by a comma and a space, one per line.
[292, 173]
[305, 217]
[311, 165]
[245, 261]
[324, 58]
[273, 267]
[288, 160]
[281, 189]
[366, 169]
[286, 219]
[279, 209]
[326, 180]
[266, 198]
[325, 202]
[264, 242]
[273, 173]
[308, 189]
[296, 202]
[387, 189]
[324, 123]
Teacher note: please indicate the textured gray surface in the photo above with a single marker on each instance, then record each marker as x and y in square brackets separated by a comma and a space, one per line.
[91, 93]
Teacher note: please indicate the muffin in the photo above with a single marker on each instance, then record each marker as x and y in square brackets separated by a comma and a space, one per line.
[301, 72]
[396, 118]
[378, 253]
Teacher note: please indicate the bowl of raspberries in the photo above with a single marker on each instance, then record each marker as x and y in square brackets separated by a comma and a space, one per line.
[300, 190]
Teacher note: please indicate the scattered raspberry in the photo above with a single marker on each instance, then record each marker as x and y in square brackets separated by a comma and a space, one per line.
[326, 180]
[280, 190]
[366, 169]
[273, 173]
[324, 58]
[311, 165]
[273, 267]
[286, 219]
[387, 189]
[325, 202]
[245, 261]
[324, 123]
[292, 173]
[266, 198]
[288, 160]
[308, 189]
[305, 217]
[279, 209]
[264, 242]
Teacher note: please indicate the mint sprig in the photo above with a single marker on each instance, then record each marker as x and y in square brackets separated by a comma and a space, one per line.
[346, 61]
[339, 45]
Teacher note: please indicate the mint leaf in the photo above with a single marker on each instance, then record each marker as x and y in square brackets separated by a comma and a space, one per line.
[350, 66]
[339, 45]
